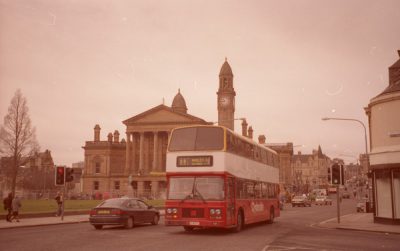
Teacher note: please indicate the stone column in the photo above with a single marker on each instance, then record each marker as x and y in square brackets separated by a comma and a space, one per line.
[140, 188]
[141, 153]
[128, 154]
[133, 155]
[154, 189]
[160, 152]
[155, 155]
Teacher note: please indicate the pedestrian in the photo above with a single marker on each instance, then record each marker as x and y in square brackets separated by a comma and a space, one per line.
[8, 206]
[16, 205]
[59, 201]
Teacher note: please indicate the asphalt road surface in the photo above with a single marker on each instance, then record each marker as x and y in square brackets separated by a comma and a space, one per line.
[295, 230]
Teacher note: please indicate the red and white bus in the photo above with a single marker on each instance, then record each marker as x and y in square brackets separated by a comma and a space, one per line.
[219, 179]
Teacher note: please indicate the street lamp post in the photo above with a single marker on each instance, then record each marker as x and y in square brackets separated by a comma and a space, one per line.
[365, 138]
[365, 133]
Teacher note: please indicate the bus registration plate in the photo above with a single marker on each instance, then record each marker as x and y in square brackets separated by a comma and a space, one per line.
[194, 223]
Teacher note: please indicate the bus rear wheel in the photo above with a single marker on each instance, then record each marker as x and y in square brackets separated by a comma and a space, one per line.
[239, 222]
[271, 216]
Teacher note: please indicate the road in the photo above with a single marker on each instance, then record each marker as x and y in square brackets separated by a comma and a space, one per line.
[295, 230]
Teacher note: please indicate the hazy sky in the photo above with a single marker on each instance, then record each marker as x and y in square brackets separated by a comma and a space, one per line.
[81, 63]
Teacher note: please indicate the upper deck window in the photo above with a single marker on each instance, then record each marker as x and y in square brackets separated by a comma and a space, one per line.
[197, 139]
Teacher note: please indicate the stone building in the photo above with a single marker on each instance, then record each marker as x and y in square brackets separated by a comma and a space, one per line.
[384, 130]
[285, 155]
[136, 165]
[310, 171]
[36, 174]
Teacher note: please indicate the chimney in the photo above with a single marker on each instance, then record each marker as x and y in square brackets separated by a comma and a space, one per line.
[244, 128]
[97, 133]
[261, 139]
[116, 136]
[110, 137]
[250, 132]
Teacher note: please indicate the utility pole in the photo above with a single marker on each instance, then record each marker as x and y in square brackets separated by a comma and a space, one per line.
[338, 202]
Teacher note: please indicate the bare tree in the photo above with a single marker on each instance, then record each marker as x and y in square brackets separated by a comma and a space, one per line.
[17, 137]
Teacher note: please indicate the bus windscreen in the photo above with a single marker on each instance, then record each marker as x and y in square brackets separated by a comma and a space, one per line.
[196, 188]
[197, 139]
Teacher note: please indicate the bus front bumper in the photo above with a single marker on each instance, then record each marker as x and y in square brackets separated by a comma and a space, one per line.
[198, 223]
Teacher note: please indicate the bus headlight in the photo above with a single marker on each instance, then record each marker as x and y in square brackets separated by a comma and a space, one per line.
[212, 211]
[218, 211]
[174, 210]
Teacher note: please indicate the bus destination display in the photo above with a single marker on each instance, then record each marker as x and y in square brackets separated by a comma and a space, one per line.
[186, 161]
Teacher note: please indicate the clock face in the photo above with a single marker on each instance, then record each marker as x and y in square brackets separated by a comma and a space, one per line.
[224, 101]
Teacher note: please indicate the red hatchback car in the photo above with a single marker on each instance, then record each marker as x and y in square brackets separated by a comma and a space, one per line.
[123, 211]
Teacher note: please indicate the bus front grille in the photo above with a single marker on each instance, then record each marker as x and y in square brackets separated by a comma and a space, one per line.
[193, 213]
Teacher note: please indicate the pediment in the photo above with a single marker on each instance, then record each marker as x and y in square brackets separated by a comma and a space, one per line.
[160, 115]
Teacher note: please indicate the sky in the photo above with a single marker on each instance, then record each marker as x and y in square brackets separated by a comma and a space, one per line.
[82, 63]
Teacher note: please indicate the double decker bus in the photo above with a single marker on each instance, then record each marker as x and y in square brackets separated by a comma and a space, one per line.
[219, 179]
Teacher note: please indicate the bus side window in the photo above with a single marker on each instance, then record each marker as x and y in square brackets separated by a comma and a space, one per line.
[257, 190]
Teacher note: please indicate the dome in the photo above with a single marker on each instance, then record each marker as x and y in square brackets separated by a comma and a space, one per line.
[179, 104]
[226, 69]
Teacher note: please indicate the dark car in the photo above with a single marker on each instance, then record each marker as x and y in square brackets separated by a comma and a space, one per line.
[123, 211]
[301, 201]
[345, 195]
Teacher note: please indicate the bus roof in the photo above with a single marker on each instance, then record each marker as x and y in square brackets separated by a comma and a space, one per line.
[251, 141]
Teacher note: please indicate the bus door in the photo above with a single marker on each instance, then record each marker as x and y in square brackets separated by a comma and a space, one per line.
[230, 201]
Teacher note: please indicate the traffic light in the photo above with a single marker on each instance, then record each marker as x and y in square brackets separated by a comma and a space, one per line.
[69, 174]
[337, 174]
[60, 176]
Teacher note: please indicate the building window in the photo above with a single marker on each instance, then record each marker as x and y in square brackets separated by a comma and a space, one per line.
[97, 169]
[116, 185]
[384, 195]
[96, 185]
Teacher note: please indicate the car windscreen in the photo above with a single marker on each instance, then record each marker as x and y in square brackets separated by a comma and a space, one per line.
[197, 138]
[112, 203]
[299, 198]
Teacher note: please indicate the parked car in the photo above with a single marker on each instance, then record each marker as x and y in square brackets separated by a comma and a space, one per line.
[323, 200]
[123, 211]
[301, 201]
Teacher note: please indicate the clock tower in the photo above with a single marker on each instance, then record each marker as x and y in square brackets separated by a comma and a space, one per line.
[226, 97]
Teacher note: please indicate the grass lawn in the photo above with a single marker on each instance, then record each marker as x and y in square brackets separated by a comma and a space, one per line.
[44, 206]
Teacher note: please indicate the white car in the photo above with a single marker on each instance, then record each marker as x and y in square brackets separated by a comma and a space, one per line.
[323, 200]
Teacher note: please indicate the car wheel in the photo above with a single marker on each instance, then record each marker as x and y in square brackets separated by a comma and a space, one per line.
[129, 223]
[156, 218]
[188, 229]
[293, 205]
[98, 226]
[239, 222]
[271, 216]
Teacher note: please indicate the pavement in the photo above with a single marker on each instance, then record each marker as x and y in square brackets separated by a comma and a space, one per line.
[356, 221]
[360, 222]
[54, 220]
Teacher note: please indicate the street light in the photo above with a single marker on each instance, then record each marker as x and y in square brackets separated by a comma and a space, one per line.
[365, 137]
[365, 134]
